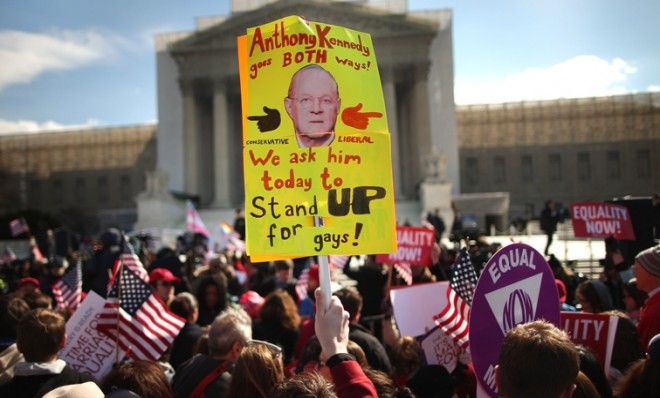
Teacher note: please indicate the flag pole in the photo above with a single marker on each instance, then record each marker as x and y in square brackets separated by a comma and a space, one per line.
[324, 271]
[118, 281]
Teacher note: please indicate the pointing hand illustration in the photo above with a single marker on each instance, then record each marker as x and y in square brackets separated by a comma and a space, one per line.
[268, 122]
[352, 116]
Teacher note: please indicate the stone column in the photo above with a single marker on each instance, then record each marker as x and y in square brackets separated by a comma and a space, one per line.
[221, 146]
[420, 121]
[389, 92]
[190, 139]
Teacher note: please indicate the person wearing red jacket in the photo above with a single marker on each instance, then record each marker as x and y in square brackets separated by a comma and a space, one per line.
[332, 331]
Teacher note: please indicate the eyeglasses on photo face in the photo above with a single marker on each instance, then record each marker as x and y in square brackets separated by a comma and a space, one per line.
[308, 102]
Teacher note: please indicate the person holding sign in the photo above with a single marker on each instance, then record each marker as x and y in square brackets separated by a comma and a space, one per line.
[313, 105]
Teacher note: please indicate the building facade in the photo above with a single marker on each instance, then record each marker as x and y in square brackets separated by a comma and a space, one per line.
[567, 150]
[199, 110]
[88, 179]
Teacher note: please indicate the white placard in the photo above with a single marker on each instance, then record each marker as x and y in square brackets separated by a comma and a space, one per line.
[87, 350]
[415, 306]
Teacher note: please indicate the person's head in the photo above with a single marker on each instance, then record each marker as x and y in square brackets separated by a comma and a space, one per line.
[185, 306]
[283, 270]
[251, 302]
[280, 308]
[584, 388]
[633, 297]
[40, 334]
[536, 360]
[212, 292]
[352, 301]
[313, 104]
[641, 380]
[310, 358]
[406, 356]
[228, 333]
[36, 299]
[593, 370]
[26, 286]
[550, 204]
[385, 386]
[144, 378]
[163, 282]
[258, 370]
[593, 296]
[12, 309]
[305, 385]
[647, 269]
[57, 266]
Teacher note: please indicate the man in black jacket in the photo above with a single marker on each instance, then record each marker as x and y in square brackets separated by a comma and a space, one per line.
[185, 306]
[376, 355]
[39, 337]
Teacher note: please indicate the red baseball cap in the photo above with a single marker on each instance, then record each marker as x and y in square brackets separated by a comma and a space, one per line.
[28, 280]
[314, 273]
[162, 274]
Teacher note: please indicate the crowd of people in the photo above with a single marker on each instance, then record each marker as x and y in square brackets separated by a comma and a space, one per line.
[264, 330]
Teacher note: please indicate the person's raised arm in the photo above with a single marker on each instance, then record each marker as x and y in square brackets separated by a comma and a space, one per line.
[331, 327]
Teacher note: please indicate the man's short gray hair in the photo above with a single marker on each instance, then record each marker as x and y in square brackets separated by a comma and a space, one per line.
[232, 325]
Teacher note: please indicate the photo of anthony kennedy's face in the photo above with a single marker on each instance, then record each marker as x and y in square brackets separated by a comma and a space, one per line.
[313, 105]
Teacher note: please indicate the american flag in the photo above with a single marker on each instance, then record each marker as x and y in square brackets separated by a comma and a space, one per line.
[140, 321]
[463, 279]
[301, 284]
[68, 290]
[338, 262]
[18, 226]
[130, 260]
[405, 272]
[454, 318]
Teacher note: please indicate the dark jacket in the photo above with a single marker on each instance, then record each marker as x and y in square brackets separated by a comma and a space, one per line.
[193, 371]
[182, 347]
[373, 349]
[39, 385]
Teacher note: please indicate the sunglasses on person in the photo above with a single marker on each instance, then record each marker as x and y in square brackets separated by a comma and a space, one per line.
[274, 349]
[167, 284]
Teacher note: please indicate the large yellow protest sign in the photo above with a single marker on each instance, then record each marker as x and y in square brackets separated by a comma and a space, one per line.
[315, 142]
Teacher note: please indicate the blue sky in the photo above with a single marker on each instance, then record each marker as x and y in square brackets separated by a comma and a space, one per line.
[71, 63]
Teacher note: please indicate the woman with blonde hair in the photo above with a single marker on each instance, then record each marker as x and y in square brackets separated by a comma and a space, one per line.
[279, 323]
[258, 370]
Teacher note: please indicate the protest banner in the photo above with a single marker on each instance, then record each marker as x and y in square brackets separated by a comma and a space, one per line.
[600, 220]
[88, 350]
[415, 306]
[315, 142]
[516, 286]
[596, 331]
[414, 247]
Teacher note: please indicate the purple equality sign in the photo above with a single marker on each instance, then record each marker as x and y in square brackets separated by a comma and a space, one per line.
[516, 286]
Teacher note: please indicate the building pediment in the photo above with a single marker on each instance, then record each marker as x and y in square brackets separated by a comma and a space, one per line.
[380, 24]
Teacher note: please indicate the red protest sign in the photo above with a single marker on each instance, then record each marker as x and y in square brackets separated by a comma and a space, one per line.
[600, 220]
[595, 331]
[414, 247]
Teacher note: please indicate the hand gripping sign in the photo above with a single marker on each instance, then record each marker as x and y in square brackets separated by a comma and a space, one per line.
[315, 142]
[516, 286]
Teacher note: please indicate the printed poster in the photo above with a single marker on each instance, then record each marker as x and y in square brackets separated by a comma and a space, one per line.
[316, 145]
[414, 246]
[87, 350]
[600, 220]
